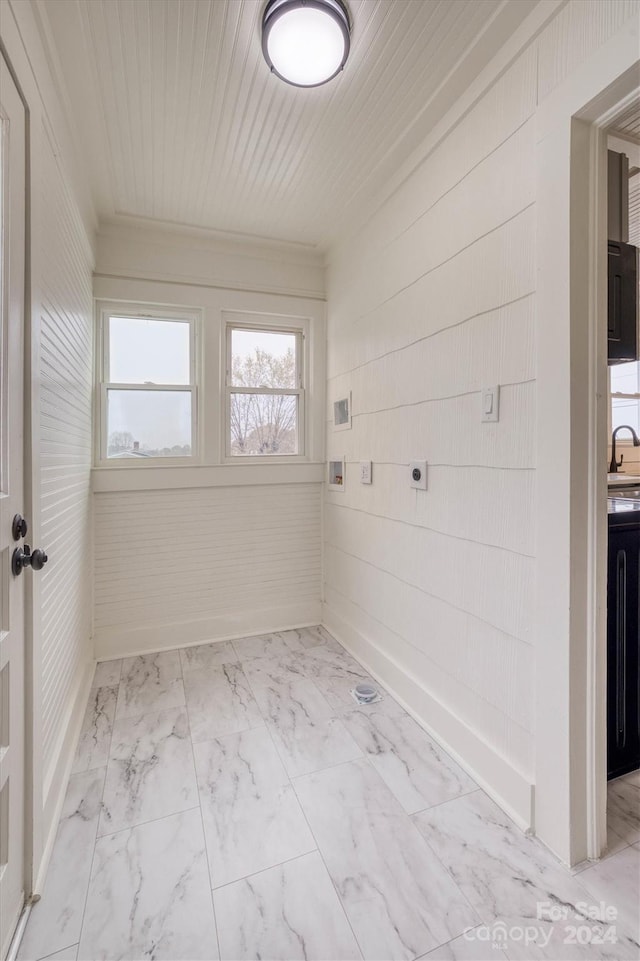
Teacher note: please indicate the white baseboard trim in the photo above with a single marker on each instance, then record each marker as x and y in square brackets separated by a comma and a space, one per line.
[116, 642]
[55, 787]
[508, 787]
[11, 953]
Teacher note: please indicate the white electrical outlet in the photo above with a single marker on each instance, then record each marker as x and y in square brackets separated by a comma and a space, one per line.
[365, 471]
[418, 474]
[490, 403]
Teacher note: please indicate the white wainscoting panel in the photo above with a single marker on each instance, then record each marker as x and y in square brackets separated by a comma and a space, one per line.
[177, 566]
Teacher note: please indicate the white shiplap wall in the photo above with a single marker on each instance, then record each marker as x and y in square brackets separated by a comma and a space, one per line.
[433, 300]
[65, 417]
[176, 566]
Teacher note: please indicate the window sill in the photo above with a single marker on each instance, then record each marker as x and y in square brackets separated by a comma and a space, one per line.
[107, 479]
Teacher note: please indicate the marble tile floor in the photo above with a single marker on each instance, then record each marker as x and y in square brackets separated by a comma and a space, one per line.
[232, 801]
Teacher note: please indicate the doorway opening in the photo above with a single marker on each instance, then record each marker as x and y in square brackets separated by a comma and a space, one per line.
[573, 427]
[623, 495]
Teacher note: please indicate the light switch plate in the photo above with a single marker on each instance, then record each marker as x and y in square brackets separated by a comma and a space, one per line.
[365, 471]
[418, 474]
[490, 404]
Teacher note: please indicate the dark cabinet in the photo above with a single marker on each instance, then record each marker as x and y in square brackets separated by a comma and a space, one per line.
[622, 308]
[623, 643]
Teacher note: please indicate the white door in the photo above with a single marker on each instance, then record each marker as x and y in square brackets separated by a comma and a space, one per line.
[12, 657]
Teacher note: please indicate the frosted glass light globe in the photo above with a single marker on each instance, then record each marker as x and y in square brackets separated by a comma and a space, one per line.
[307, 44]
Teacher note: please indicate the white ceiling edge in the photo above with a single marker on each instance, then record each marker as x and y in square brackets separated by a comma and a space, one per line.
[474, 90]
[97, 158]
[44, 65]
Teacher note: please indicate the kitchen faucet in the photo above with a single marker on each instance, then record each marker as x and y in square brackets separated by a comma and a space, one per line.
[614, 465]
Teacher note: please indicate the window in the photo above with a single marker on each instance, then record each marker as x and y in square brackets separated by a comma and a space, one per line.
[265, 391]
[148, 393]
[200, 387]
[625, 395]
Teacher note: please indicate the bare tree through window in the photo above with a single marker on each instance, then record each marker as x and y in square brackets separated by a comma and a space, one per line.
[264, 423]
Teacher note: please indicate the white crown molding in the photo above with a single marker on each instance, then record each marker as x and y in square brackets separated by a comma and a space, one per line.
[240, 244]
[145, 251]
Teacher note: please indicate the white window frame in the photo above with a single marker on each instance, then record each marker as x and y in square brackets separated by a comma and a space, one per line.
[289, 325]
[145, 312]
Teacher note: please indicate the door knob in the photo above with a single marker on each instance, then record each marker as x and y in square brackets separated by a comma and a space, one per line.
[24, 558]
[19, 527]
[38, 559]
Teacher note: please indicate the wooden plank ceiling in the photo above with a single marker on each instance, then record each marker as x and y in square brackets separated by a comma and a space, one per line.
[179, 120]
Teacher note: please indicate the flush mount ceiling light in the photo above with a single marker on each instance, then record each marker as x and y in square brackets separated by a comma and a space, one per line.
[305, 42]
